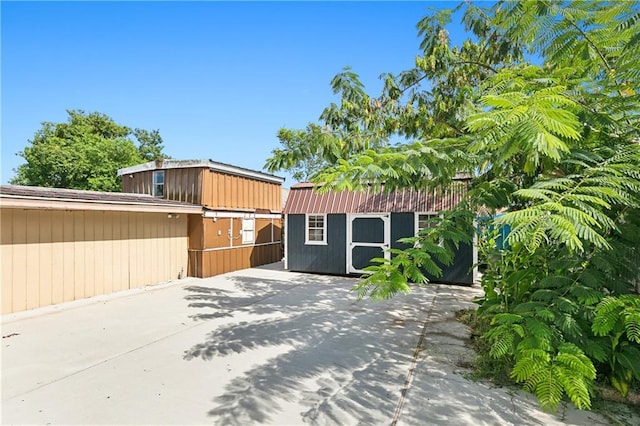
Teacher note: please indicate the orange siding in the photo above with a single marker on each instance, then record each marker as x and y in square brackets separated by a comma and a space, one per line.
[196, 232]
[225, 191]
[215, 256]
[50, 256]
[217, 233]
[199, 185]
[263, 231]
[216, 262]
[207, 240]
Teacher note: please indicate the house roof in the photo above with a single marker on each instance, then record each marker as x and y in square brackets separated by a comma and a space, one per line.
[15, 196]
[210, 164]
[303, 199]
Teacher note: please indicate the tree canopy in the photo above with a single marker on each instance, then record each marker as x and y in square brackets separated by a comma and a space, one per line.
[555, 145]
[85, 153]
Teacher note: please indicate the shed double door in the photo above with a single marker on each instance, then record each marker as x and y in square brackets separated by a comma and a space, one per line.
[368, 236]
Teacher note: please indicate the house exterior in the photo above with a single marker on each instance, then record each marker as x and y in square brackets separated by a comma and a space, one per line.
[340, 232]
[241, 222]
[60, 245]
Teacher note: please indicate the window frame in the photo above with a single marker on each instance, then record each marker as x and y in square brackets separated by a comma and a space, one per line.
[307, 228]
[417, 225]
[245, 231]
[155, 185]
[417, 219]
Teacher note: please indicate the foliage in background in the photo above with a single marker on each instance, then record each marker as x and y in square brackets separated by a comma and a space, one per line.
[554, 145]
[85, 153]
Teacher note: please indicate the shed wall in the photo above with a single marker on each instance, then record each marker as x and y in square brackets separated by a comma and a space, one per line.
[329, 259]
[54, 256]
[459, 272]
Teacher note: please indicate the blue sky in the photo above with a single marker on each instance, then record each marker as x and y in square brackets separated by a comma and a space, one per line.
[218, 79]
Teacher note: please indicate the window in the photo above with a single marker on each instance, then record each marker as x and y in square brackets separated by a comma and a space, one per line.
[315, 229]
[248, 230]
[158, 183]
[424, 221]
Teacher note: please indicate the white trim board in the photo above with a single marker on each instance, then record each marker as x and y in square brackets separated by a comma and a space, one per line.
[386, 219]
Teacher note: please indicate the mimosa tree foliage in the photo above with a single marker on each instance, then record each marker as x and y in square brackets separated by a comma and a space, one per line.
[554, 144]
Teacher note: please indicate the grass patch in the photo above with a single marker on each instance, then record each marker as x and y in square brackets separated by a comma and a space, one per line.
[484, 366]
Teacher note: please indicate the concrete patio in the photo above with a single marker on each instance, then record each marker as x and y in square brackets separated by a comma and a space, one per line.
[258, 346]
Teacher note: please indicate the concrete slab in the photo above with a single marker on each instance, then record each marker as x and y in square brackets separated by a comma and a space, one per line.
[259, 346]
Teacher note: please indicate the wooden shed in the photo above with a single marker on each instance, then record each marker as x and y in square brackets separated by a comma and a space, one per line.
[60, 245]
[340, 232]
[242, 219]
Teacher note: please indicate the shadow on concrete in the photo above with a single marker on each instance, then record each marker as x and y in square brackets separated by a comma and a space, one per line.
[346, 360]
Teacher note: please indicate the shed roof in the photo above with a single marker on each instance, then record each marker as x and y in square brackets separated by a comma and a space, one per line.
[303, 199]
[210, 164]
[15, 196]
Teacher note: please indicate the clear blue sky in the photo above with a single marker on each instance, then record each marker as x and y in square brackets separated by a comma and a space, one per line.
[217, 79]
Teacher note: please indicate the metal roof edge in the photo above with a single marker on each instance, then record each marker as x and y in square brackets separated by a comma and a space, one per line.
[210, 164]
[228, 168]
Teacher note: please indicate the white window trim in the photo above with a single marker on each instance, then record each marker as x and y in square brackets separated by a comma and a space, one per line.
[154, 184]
[417, 224]
[245, 231]
[416, 216]
[306, 230]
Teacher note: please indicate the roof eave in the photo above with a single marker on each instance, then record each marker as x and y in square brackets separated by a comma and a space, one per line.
[47, 203]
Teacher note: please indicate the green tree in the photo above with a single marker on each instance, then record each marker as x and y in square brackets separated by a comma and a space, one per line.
[556, 146]
[297, 154]
[84, 153]
[150, 144]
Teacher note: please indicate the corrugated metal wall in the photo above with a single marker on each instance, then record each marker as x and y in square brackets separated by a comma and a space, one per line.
[54, 256]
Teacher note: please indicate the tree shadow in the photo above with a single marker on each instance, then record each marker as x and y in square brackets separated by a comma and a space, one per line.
[345, 361]
[318, 356]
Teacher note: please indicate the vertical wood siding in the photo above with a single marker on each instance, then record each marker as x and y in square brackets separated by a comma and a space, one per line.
[53, 256]
[179, 184]
[225, 191]
[219, 254]
[204, 264]
[210, 188]
[330, 258]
